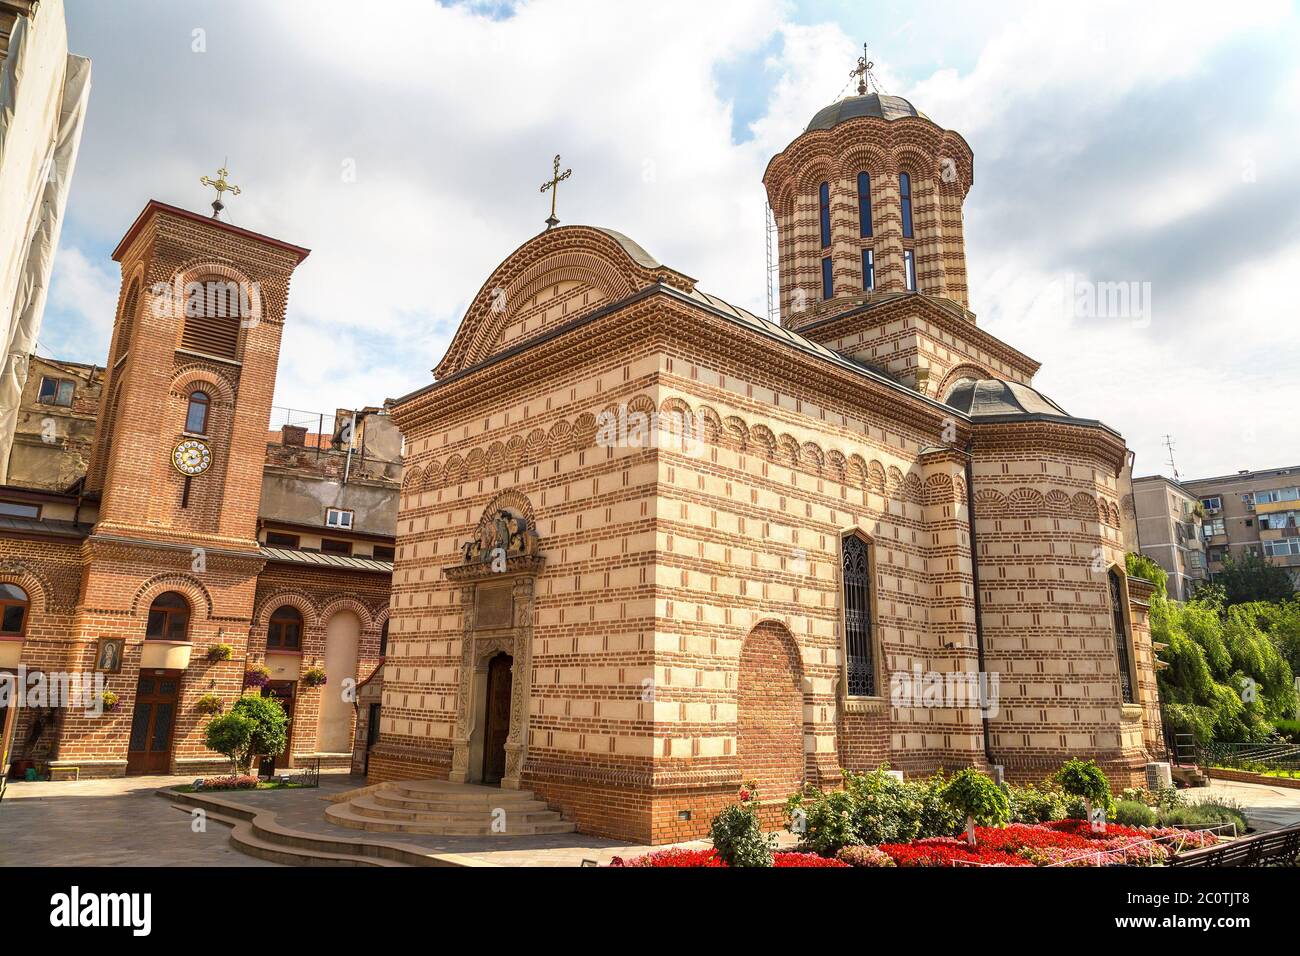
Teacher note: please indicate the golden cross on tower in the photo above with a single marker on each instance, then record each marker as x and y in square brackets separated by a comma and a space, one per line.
[553, 184]
[862, 71]
[221, 186]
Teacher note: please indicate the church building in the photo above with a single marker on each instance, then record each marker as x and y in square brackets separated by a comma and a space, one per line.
[651, 545]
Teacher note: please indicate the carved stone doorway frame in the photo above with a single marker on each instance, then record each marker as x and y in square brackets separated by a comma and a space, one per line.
[498, 617]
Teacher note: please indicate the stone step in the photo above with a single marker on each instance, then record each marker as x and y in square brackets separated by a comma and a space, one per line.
[346, 815]
[374, 807]
[459, 792]
[448, 805]
[245, 839]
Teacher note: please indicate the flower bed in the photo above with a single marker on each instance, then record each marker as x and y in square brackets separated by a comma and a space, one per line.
[677, 857]
[1062, 842]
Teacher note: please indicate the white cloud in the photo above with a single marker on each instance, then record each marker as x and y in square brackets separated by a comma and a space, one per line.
[450, 116]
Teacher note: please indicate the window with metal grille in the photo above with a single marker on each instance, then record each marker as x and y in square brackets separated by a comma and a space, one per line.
[857, 618]
[213, 310]
[1121, 637]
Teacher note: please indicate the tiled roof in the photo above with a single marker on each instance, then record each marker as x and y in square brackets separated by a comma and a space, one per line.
[60, 529]
[321, 560]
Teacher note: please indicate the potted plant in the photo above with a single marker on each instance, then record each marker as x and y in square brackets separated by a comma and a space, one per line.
[314, 677]
[208, 704]
[257, 675]
[220, 652]
[109, 700]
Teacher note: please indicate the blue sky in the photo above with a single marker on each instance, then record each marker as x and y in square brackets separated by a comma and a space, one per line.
[1151, 144]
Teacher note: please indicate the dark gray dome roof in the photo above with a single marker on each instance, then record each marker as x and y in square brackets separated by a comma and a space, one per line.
[873, 104]
[990, 397]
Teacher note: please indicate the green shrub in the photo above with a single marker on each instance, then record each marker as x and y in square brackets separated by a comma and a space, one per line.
[1290, 729]
[1031, 804]
[230, 735]
[1132, 813]
[270, 734]
[974, 796]
[885, 810]
[823, 820]
[1205, 813]
[937, 818]
[872, 807]
[738, 836]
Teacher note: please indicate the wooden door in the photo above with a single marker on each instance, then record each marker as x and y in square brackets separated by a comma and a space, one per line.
[153, 722]
[496, 727]
[283, 691]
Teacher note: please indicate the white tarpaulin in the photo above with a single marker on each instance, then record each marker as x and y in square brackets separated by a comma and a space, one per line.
[33, 205]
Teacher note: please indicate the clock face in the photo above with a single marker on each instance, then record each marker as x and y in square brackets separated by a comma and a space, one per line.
[192, 457]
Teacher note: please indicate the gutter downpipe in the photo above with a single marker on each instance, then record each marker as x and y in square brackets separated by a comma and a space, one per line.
[975, 584]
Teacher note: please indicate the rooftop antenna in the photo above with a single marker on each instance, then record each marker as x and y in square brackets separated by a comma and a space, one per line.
[1169, 443]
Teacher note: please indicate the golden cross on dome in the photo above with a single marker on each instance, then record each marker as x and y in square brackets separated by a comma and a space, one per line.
[553, 184]
[221, 186]
[862, 71]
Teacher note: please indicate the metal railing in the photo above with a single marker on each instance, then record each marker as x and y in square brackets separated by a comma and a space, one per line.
[1268, 756]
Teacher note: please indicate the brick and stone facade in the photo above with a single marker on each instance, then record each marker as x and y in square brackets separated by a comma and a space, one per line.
[635, 498]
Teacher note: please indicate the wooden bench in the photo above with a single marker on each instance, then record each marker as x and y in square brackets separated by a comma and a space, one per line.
[1245, 851]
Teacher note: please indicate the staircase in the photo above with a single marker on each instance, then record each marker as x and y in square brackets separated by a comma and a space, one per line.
[447, 809]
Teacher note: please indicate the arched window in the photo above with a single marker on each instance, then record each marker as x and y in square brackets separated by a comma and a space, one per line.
[285, 632]
[1120, 628]
[858, 650]
[196, 416]
[905, 203]
[824, 200]
[864, 204]
[383, 640]
[169, 618]
[13, 610]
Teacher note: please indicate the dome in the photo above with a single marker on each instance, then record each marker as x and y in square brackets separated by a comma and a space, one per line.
[872, 104]
[994, 397]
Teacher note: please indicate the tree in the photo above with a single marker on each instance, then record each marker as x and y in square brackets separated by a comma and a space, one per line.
[976, 797]
[1084, 779]
[1251, 578]
[229, 734]
[269, 734]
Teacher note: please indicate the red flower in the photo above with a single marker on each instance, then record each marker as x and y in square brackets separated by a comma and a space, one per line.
[805, 860]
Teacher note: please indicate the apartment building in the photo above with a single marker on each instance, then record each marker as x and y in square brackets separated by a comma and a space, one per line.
[1168, 520]
[1251, 512]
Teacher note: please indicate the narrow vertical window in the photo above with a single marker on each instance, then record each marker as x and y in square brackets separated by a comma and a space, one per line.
[828, 276]
[909, 270]
[1121, 637]
[868, 269]
[196, 417]
[824, 201]
[905, 202]
[860, 660]
[864, 204]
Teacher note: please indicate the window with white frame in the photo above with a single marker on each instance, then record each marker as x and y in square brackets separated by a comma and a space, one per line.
[338, 518]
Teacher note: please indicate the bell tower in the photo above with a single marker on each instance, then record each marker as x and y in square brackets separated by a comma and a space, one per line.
[182, 435]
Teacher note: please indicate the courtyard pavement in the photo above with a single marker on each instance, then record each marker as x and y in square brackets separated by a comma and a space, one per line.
[123, 822]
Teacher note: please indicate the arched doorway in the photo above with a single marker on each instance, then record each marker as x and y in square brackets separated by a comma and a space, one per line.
[496, 717]
[342, 635]
[769, 712]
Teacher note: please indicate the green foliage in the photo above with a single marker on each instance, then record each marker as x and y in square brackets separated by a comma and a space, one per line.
[872, 808]
[220, 652]
[1140, 566]
[738, 836]
[974, 796]
[1228, 676]
[1290, 729]
[1084, 779]
[230, 735]
[270, 726]
[1250, 578]
[1205, 813]
[1042, 804]
[1132, 813]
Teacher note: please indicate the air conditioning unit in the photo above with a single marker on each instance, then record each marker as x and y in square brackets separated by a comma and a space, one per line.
[1159, 775]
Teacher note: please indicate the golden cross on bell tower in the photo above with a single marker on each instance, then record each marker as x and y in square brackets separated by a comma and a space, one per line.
[221, 186]
[553, 184]
[862, 71]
